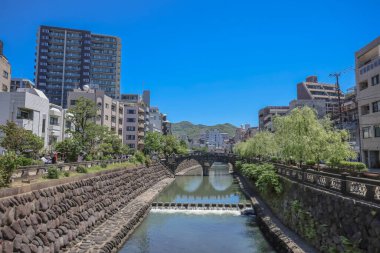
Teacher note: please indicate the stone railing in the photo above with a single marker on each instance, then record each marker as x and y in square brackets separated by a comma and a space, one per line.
[356, 187]
[30, 172]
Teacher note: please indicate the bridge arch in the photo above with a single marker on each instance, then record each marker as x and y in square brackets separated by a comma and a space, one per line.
[206, 160]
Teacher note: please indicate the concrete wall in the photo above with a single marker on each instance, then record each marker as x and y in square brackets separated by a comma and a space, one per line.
[49, 219]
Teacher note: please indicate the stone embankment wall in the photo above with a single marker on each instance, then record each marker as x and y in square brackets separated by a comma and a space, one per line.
[57, 218]
[327, 220]
[186, 164]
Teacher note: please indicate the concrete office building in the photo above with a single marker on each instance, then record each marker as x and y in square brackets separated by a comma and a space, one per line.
[5, 71]
[28, 108]
[17, 83]
[267, 114]
[367, 68]
[110, 111]
[68, 59]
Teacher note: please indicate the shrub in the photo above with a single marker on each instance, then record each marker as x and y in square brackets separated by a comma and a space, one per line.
[148, 161]
[310, 163]
[52, 173]
[139, 157]
[66, 173]
[81, 169]
[357, 166]
[8, 164]
[238, 165]
[103, 165]
[264, 175]
[269, 181]
[274, 159]
[88, 158]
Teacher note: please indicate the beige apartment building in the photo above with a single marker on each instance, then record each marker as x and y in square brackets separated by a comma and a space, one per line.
[110, 112]
[322, 96]
[267, 115]
[135, 123]
[5, 71]
[367, 68]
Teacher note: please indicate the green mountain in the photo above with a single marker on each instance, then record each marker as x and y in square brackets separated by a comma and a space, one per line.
[193, 131]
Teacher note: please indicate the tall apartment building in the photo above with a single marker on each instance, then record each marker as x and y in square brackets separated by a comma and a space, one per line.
[68, 59]
[17, 83]
[267, 114]
[311, 89]
[110, 111]
[5, 71]
[367, 68]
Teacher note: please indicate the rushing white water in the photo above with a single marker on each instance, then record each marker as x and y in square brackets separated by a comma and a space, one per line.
[197, 212]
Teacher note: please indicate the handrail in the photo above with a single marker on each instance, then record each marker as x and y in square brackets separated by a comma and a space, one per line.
[356, 187]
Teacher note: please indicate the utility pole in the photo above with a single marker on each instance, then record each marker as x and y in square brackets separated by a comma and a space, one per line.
[337, 75]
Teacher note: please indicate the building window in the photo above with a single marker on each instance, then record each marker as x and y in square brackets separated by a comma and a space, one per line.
[23, 113]
[375, 80]
[113, 119]
[365, 109]
[68, 124]
[131, 120]
[4, 88]
[73, 102]
[377, 130]
[366, 132]
[43, 125]
[120, 121]
[5, 74]
[376, 106]
[106, 117]
[131, 128]
[363, 85]
[131, 137]
[131, 145]
[120, 131]
[54, 121]
[131, 111]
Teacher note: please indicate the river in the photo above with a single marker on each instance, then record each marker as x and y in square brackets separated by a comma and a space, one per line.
[199, 231]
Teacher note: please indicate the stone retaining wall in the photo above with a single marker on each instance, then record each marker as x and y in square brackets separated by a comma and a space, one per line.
[185, 164]
[328, 220]
[56, 218]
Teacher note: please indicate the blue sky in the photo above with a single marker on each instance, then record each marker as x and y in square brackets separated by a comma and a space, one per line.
[209, 61]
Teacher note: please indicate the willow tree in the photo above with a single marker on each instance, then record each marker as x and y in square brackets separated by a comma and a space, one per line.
[302, 137]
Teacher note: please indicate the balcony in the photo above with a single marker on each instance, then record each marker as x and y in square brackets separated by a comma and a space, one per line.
[141, 126]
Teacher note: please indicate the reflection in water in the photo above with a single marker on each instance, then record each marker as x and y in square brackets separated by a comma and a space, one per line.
[218, 187]
[198, 231]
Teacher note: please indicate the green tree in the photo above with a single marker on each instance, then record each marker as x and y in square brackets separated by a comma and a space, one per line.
[82, 116]
[20, 140]
[8, 164]
[153, 143]
[69, 148]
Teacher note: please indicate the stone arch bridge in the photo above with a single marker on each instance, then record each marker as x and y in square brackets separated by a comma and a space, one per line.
[206, 160]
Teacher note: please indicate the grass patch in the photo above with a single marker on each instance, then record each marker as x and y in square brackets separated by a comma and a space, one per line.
[70, 174]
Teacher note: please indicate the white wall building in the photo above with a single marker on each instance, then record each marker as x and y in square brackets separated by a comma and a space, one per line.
[214, 139]
[28, 108]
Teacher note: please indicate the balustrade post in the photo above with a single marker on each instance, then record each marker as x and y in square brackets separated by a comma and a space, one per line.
[343, 185]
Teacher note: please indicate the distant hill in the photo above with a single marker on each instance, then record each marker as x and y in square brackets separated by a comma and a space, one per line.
[193, 131]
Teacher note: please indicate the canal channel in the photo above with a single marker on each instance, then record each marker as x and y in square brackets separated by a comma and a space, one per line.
[200, 231]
